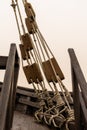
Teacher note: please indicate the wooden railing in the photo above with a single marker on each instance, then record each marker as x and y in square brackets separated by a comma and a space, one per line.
[79, 93]
[8, 91]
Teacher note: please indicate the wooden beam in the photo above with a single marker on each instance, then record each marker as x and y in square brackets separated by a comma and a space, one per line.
[3, 62]
[79, 75]
[8, 88]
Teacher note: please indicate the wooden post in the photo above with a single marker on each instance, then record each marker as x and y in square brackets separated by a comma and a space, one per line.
[76, 100]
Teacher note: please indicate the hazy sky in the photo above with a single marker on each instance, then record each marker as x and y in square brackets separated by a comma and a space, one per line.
[63, 24]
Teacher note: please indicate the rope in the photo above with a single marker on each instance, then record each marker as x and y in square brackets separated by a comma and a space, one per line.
[70, 118]
[20, 16]
[14, 8]
[41, 48]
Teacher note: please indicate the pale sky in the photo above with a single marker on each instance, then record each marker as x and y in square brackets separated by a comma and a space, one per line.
[63, 24]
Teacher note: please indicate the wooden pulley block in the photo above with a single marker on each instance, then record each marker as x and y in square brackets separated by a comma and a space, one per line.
[29, 11]
[48, 70]
[31, 26]
[24, 54]
[33, 72]
[57, 68]
[27, 41]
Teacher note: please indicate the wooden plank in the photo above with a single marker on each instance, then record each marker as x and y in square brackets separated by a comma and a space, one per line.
[29, 103]
[79, 92]
[7, 91]
[84, 111]
[76, 101]
[79, 75]
[3, 62]
[26, 93]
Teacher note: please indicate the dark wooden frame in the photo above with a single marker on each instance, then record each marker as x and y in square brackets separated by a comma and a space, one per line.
[79, 92]
[8, 92]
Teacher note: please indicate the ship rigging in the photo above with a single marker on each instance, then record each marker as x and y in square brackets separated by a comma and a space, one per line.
[41, 68]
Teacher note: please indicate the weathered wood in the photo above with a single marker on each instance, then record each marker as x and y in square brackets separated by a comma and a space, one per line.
[79, 93]
[79, 75]
[83, 112]
[8, 90]
[29, 103]
[76, 101]
[26, 93]
[3, 62]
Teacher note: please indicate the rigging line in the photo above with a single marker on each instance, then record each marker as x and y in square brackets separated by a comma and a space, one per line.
[44, 89]
[36, 45]
[56, 90]
[20, 16]
[68, 95]
[14, 8]
[64, 97]
[56, 75]
[59, 100]
[32, 56]
[66, 91]
[41, 85]
[43, 45]
[40, 48]
[51, 87]
[66, 101]
[24, 1]
[35, 52]
[24, 4]
[16, 17]
[34, 87]
[41, 42]
[37, 92]
[27, 59]
[54, 57]
[59, 80]
[33, 35]
[46, 94]
[38, 87]
[44, 40]
[36, 56]
[40, 57]
[39, 33]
